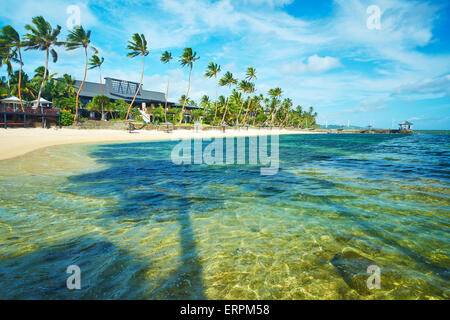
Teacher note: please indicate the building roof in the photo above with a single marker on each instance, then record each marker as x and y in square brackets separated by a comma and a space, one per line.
[116, 89]
[42, 101]
[406, 123]
[119, 89]
[12, 99]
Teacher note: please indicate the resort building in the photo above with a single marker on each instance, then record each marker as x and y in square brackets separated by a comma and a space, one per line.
[117, 89]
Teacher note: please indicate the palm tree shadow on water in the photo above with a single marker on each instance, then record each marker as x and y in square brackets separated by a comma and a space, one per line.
[169, 202]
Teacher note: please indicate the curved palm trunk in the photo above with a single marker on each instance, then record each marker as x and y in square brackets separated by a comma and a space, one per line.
[81, 86]
[225, 112]
[43, 80]
[9, 87]
[239, 115]
[101, 89]
[167, 91]
[187, 94]
[247, 111]
[273, 115]
[139, 88]
[217, 88]
[20, 78]
[284, 121]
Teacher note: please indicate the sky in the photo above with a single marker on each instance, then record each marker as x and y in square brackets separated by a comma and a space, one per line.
[377, 62]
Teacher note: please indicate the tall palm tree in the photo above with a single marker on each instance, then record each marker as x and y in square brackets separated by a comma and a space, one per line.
[250, 75]
[12, 43]
[43, 37]
[286, 107]
[96, 62]
[275, 94]
[6, 55]
[187, 59]
[137, 46]
[250, 90]
[243, 86]
[211, 71]
[236, 103]
[165, 58]
[79, 38]
[228, 81]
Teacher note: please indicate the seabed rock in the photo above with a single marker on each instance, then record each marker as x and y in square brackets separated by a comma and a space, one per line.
[352, 267]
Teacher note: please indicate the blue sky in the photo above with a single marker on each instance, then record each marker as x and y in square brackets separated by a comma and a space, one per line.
[321, 53]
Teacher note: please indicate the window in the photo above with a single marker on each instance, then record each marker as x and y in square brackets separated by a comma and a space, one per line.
[124, 87]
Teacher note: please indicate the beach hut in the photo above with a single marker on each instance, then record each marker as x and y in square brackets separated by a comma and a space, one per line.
[405, 125]
[11, 102]
[43, 102]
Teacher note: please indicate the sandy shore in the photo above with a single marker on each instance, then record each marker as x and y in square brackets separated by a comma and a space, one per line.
[18, 141]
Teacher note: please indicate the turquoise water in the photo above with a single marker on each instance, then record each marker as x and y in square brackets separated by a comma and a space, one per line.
[141, 227]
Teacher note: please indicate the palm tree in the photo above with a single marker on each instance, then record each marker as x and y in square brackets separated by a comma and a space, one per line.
[211, 71]
[96, 62]
[286, 107]
[187, 59]
[40, 76]
[6, 55]
[251, 74]
[205, 102]
[69, 85]
[26, 86]
[77, 38]
[250, 90]
[275, 94]
[10, 40]
[243, 86]
[165, 58]
[227, 80]
[235, 104]
[43, 37]
[137, 46]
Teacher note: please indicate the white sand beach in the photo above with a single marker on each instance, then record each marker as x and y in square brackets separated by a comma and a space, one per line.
[18, 141]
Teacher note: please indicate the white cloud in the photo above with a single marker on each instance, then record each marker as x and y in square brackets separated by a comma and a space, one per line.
[314, 64]
[271, 3]
[368, 105]
[426, 88]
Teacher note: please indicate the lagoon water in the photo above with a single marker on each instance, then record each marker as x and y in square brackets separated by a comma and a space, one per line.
[142, 227]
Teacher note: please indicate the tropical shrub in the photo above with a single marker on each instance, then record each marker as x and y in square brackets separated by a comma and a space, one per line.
[66, 118]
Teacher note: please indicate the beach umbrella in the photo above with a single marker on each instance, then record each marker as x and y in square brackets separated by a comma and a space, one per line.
[11, 99]
[42, 101]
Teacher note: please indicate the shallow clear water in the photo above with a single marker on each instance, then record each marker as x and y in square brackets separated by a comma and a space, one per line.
[142, 227]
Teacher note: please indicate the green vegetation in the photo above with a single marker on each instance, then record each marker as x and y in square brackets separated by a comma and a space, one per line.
[66, 118]
[241, 106]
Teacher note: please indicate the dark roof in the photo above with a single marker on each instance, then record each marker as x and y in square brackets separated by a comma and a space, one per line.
[405, 123]
[92, 89]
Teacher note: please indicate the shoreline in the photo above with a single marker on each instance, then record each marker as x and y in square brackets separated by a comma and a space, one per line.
[19, 141]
